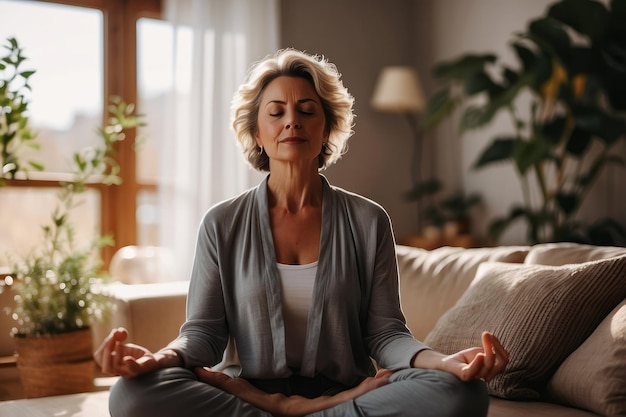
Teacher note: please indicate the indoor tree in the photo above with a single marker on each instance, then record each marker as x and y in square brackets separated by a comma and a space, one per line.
[572, 65]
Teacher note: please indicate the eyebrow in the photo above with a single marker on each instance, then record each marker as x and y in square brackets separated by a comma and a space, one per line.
[304, 100]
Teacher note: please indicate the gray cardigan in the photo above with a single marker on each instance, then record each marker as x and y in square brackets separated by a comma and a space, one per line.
[234, 295]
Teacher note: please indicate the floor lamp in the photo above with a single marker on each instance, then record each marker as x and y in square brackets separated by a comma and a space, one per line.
[398, 90]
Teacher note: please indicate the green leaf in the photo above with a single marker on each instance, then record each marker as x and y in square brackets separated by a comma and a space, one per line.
[541, 71]
[504, 98]
[474, 117]
[510, 75]
[480, 82]
[498, 226]
[527, 154]
[579, 142]
[438, 107]
[36, 165]
[423, 189]
[584, 60]
[501, 149]
[27, 74]
[568, 202]
[526, 56]
[587, 17]
[549, 34]
[463, 67]
[596, 121]
[554, 129]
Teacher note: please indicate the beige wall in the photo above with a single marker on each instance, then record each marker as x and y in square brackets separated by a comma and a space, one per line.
[362, 36]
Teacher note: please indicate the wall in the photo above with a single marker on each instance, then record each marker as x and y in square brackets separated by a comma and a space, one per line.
[362, 36]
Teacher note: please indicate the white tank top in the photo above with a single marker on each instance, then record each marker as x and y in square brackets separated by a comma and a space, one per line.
[297, 289]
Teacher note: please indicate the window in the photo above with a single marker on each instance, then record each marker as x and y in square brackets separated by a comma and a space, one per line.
[84, 51]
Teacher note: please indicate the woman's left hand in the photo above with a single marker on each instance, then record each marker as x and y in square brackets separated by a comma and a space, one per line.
[474, 363]
[480, 363]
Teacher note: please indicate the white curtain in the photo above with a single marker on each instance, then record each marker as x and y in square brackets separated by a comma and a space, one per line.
[215, 41]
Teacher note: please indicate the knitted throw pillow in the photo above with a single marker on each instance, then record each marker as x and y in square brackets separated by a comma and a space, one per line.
[540, 314]
[593, 377]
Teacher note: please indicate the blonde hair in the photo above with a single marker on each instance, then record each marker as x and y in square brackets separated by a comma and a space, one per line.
[336, 102]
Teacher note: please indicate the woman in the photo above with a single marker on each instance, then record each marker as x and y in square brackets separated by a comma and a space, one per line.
[294, 287]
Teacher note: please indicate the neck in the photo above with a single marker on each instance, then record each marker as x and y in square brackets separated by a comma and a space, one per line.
[294, 190]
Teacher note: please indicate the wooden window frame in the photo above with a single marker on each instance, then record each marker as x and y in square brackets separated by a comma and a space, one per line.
[118, 203]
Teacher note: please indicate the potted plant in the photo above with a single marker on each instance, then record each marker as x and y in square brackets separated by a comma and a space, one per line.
[573, 70]
[449, 214]
[56, 286]
[15, 131]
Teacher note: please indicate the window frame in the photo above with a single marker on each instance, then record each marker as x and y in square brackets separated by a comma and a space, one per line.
[118, 203]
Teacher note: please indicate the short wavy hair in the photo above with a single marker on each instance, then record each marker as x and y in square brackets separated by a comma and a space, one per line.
[337, 103]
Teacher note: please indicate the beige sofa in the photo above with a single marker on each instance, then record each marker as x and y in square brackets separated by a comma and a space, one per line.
[559, 309]
[564, 325]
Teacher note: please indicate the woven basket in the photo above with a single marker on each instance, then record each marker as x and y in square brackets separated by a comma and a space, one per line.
[55, 364]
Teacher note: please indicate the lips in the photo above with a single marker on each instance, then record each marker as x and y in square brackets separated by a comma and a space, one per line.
[293, 140]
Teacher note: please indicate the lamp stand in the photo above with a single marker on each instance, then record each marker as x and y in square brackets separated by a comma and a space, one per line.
[416, 162]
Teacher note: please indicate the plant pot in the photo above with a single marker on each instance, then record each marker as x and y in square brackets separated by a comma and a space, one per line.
[55, 364]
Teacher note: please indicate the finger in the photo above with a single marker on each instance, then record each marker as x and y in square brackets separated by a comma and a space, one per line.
[499, 349]
[473, 369]
[118, 356]
[490, 357]
[217, 379]
[501, 358]
[383, 373]
[131, 367]
[108, 348]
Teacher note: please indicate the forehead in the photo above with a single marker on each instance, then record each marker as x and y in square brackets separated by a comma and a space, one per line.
[285, 87]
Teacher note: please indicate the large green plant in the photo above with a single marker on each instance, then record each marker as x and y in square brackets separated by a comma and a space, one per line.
[15, 131]
[572, 71]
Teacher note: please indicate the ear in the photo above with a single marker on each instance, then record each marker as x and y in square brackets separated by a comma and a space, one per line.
[326, 132]
[257, 139]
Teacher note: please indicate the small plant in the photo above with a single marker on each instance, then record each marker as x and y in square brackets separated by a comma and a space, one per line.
[14, 129]
[57, 287]
[444, 209]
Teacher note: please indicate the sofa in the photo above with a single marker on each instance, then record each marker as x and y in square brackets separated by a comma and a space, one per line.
[560, 309]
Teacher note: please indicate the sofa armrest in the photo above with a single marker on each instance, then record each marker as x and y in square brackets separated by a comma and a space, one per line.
[152, 313]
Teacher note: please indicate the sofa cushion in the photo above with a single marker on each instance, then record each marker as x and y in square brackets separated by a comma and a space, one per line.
[432, 281]
[540, 314]
[569, 253]
[601, 359]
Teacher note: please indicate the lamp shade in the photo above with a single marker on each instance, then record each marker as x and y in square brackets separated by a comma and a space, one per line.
[398, 90]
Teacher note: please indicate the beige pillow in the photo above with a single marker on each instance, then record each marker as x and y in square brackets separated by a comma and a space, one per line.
[432, 281]
[562, 253]
[593, 377]
[540, 314]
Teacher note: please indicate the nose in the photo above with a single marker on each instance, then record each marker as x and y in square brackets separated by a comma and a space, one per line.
[293, 121]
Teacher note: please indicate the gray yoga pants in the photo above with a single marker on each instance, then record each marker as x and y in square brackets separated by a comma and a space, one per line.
[411, 392]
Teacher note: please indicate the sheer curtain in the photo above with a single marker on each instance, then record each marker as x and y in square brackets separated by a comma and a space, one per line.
[215, 41]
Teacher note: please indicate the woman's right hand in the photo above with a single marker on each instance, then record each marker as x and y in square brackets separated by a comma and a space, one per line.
[280, 405]
[115, 357]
